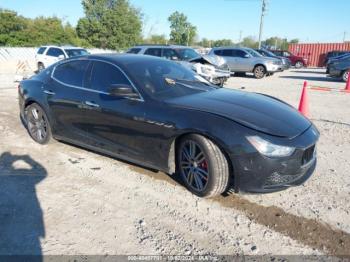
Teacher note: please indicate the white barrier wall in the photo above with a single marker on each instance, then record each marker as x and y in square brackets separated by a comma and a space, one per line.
[28, 53]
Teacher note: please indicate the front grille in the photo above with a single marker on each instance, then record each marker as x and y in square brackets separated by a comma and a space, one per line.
[308, 155]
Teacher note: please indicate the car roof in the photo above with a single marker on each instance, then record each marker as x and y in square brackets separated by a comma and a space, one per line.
[118, 59]
[62, 47]
[161, 46]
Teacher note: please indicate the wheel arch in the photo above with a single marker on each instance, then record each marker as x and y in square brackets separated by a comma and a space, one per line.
[174, 145]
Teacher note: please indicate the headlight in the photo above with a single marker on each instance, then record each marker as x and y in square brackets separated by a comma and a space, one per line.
[208, 70]
[268, 149]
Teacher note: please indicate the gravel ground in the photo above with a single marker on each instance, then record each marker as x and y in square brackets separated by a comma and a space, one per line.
[60, 199]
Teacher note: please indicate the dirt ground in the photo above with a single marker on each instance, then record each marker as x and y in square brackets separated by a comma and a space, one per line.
[61, 199]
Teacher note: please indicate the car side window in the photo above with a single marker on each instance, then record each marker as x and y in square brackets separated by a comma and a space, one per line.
[170, 54]
[71, 73]
[55, 52]
[154, 51]
[104, 75]
[239, 53]
[286, 54]
[41, 50]
[134, 51]
[226, 52]
[218, 52]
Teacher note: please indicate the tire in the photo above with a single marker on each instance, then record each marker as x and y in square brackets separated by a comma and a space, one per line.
[41, 67]
[345, 76]
[240, 74]
[259, 71]
[202, 165]
[299, 64]
[37, 123]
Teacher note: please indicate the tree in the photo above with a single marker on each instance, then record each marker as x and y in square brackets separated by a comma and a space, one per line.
[110, 24]
[182, 32]
[249, 41]
[20, 31]
[156, 39]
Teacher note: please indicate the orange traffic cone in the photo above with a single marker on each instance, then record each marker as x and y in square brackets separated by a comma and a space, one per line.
[304, 101]
[347, 87]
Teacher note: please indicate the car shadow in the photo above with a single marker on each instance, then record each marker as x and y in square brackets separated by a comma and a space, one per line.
[313, 78]
[309, 72]
[21, 217]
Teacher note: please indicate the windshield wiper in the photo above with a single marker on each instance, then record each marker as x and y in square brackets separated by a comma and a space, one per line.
[173, 81]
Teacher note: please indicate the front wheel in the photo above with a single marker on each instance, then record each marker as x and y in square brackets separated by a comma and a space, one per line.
[259, 71]
[37, 124]
[299, 64]
[202, 165]
[345, 76]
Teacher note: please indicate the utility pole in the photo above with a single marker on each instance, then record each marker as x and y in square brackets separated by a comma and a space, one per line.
[344, 37]
[263, 12]
[240, 37]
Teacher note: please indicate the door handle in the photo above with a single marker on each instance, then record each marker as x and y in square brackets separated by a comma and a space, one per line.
[49, 92]
[92, 104]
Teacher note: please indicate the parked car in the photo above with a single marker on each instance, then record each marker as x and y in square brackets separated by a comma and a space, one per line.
[337, 59]
[212, 69]
[296, 61]
[48, 55]
[244, 60]
[339, 69]
[334, 54]
[159, 114]
[286, 64]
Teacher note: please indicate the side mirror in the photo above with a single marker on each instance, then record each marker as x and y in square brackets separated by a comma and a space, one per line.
[246, 56]
[119, 90]
[174, 58]
[60, 57]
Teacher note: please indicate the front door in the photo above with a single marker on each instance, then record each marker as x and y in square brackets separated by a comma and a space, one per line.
[115, 124]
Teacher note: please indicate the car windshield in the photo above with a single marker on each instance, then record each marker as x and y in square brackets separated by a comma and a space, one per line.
[187, 54]
[76, 52]
[253, 53]
[269, 53]
[163, 79]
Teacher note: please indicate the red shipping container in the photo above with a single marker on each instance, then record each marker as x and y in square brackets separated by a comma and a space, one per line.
[316, 52]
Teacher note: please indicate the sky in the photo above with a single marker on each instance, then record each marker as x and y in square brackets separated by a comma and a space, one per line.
[307, 20]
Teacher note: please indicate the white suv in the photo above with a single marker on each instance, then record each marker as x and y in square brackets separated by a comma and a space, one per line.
[48, 55]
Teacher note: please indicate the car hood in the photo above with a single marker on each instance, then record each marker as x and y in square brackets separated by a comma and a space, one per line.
[256, 111]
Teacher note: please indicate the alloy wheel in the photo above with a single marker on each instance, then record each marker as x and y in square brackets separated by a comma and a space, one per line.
[259, 72]
[37, 124]
[194, 166]
[345, 76]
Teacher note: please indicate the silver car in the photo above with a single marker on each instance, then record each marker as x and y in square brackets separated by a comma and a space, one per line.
[212, 68]
[247, 60]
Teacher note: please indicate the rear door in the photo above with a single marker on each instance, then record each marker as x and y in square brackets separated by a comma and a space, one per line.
[230, 59]
[66, 93]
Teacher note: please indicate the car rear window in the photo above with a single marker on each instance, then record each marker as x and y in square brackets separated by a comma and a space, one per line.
[134, 51]
[41, 50]
[71, 73]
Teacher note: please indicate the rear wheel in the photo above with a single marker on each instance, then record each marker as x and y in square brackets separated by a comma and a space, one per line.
[41, 67]
[345, 76]
[37, 124]
[259, 71]
[202, 165]
[299, 64]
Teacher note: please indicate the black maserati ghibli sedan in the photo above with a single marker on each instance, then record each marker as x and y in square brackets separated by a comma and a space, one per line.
[158, 114]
